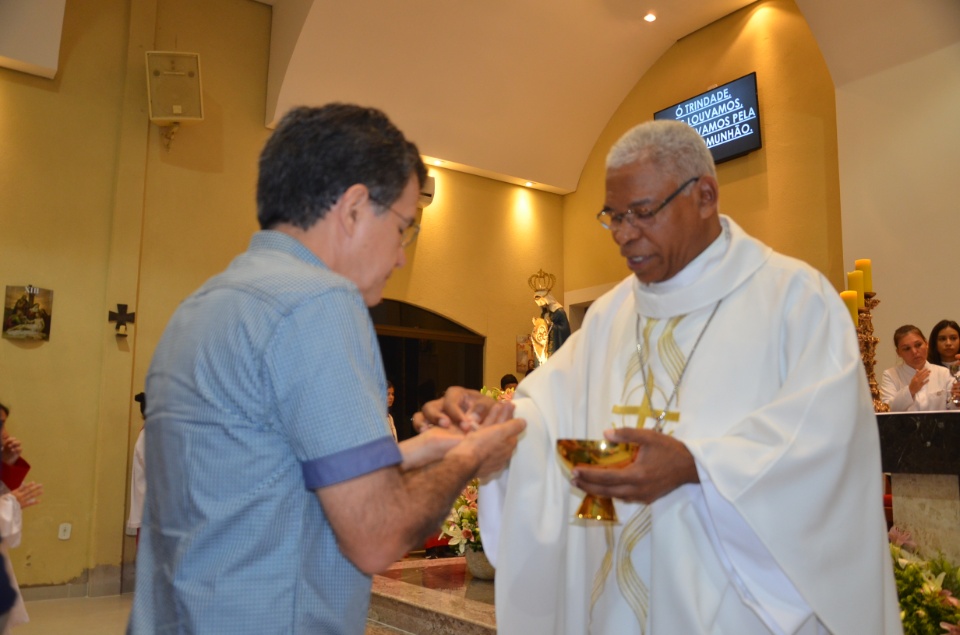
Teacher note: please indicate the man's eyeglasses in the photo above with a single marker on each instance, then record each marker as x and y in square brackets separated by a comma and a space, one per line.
[409, 233]
[635, 215]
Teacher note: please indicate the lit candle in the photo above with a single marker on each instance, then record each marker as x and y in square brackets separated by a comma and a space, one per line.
[855, 283]
[850, 299]
[867, 269]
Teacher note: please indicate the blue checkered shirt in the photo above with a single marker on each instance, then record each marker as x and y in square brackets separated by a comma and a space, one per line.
[266, 385]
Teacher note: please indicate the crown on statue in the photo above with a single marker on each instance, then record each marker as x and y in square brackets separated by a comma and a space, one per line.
[541, 282]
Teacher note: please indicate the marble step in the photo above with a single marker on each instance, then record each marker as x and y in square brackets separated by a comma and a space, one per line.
[432, 597]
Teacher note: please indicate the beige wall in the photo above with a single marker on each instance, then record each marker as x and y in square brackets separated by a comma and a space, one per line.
[58, 156]
[199, 209]
[95, 208]
[787, 193]
[899, 148]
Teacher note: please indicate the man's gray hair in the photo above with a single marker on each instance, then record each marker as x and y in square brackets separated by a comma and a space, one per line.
[673, 146]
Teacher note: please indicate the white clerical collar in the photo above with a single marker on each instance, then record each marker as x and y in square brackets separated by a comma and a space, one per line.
[708, 259]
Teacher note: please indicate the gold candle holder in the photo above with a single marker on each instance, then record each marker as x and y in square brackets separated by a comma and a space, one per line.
[868, 348]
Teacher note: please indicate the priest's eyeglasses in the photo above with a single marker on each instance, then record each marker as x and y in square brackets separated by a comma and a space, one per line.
[409, 233]
[639, 214]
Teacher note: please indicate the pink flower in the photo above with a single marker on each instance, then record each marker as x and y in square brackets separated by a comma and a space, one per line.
[950, 629]
[901, 538]
[461, 524]
[949, 599]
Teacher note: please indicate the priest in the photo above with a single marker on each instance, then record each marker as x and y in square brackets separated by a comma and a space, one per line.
[754, 504]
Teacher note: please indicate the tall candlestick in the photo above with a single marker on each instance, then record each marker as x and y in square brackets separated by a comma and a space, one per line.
[850, 299]
[855, 283]
[866, 267]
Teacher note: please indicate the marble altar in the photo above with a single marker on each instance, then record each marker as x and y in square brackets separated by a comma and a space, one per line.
[921, 451]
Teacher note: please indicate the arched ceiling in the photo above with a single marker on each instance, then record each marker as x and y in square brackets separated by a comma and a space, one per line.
[520, 89]
[513, 89]
[516, 90]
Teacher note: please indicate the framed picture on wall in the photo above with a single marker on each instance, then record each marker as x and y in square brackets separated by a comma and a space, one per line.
[27, 313]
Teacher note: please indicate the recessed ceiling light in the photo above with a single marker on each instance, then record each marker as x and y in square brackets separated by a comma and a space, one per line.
[649, 17]
[437, 162]
[529, 183]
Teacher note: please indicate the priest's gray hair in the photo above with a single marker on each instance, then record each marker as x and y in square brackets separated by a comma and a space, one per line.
[673, 146]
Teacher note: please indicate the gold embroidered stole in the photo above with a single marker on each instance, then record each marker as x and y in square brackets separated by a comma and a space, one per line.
[620, 552]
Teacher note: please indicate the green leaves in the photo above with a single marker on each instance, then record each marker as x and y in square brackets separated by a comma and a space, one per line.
[928, 591]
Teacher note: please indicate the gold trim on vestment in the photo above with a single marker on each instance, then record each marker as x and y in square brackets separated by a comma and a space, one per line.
[632, 588]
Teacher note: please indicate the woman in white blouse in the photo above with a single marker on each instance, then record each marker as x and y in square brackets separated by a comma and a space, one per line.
[916, 384]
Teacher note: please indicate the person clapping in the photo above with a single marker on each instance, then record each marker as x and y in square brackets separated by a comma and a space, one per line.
[916, 384]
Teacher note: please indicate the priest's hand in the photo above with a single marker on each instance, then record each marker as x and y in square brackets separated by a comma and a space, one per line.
[459, 407]
[662, 465]
[493, 441]
[434, 442]
[499, 458]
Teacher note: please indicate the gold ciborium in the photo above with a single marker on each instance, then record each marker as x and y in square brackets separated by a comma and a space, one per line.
[594, 453]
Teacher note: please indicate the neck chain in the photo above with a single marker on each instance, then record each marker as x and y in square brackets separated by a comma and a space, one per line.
[676, 386]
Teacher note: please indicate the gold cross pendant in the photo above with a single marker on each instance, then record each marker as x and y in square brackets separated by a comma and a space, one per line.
[644, 412]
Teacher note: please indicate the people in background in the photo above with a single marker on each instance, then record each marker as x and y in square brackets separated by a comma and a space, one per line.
[14, 466]
[138, 475]
[391, 395]
[914, 384]
[275, 489]
[15, 496]
[8, 594]
[944, 344]
[508, 381]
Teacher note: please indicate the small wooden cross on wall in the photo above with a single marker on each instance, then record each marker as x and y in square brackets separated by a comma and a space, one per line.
[122, 318]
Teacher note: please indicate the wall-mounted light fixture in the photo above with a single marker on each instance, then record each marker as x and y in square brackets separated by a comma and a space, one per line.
[427, 192]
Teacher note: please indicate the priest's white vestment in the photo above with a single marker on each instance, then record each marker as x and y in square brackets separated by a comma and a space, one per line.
[785, 533]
